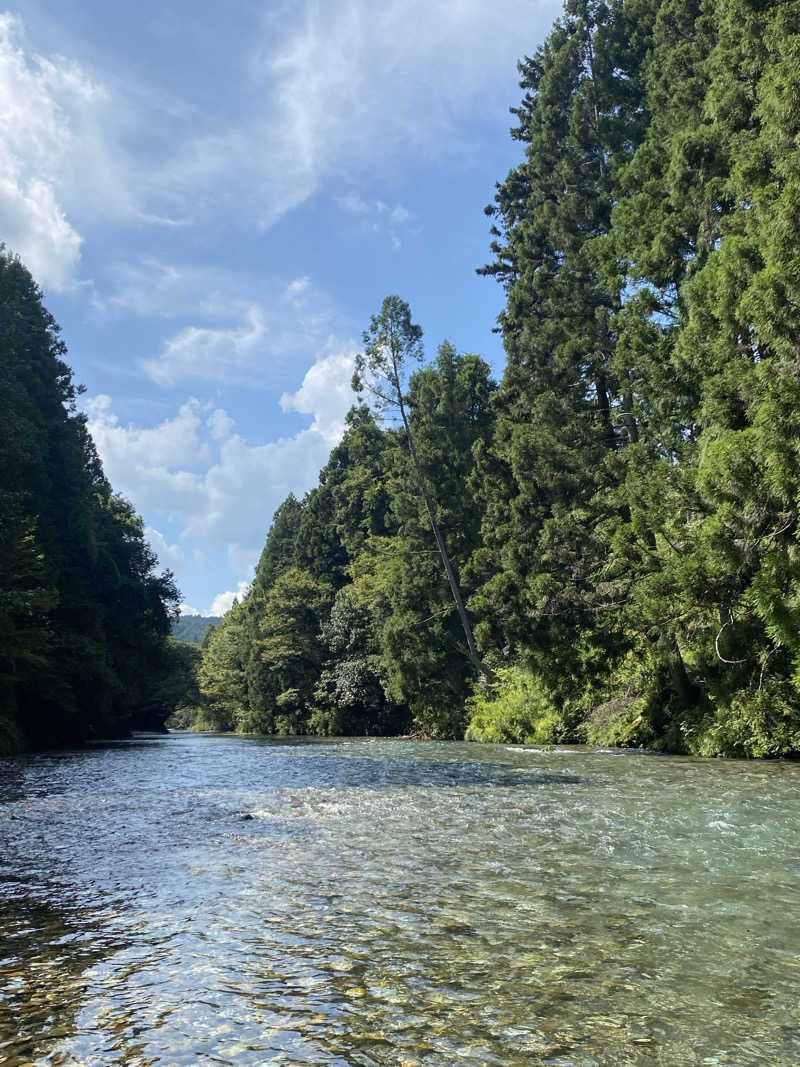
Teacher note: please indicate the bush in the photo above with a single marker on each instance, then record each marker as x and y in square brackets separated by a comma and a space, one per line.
[520, 709]
[757, 722]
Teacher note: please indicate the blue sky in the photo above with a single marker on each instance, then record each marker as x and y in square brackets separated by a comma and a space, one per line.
[215, 200]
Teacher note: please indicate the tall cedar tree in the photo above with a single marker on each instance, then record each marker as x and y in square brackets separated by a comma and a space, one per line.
[83, 617]
[391, 343]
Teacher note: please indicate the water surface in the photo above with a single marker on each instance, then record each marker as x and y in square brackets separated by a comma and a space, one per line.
[223, 900]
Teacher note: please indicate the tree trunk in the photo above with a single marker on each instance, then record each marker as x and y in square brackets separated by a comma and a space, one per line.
[472, 649]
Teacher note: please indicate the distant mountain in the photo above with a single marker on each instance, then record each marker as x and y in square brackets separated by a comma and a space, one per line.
[192, 628]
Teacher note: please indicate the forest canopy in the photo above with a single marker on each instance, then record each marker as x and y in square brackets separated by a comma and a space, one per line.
[84, 617]
[620, 510]
[601, 546]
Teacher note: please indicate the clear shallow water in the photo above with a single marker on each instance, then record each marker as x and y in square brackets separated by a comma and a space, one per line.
[199, 900]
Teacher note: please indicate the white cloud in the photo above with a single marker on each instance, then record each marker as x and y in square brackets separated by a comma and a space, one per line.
[63, 165]
[35, 226]
[37, 141]
[380, 216]
[163, 220]
[353, 78]
[210, 354]
[240, 337]
[247, 483]
[219, 424]
[295, 288]
[144, 464]
[152, 287]
[187, 609]
[223, 602]
[170, 556]
[219, 489]
[326, 394]
[348, 88]
[330, 89]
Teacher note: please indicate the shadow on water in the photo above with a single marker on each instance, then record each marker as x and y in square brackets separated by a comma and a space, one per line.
[298, 762]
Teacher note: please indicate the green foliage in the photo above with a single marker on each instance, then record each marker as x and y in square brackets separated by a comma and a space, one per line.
[640, 493]
[349, 697]
[83, 616]
[193, 628]
[756, 723]
[392, 344]
[221, 675]
[350, 625]
[520, 710]
[621, 512]
[290, 646]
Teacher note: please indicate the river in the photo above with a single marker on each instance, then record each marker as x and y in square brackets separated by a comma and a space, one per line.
[225, 900]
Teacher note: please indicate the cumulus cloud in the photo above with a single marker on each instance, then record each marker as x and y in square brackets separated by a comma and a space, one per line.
[170, 556]
[219, 424]
[36, 96]
[247, 483]
[221, 490]
[326, 394]
[64, 167]
[146, 464]
[223, 602]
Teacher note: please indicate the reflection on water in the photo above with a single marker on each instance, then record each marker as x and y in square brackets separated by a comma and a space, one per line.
[190, 900]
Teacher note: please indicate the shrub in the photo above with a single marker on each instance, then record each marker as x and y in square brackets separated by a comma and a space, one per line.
[520, 709]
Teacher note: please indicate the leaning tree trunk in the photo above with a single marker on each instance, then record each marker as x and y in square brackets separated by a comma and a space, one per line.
[472, 649]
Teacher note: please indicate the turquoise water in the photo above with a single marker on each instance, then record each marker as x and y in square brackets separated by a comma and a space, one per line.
[199, 900]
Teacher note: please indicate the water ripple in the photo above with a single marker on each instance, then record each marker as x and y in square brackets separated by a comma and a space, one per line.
[192, 900]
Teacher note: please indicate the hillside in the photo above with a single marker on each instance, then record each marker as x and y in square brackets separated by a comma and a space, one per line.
[192, 628]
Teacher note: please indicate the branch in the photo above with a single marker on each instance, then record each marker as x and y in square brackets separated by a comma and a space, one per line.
[720, 657]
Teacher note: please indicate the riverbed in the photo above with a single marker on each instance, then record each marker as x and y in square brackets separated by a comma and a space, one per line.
[225, 900]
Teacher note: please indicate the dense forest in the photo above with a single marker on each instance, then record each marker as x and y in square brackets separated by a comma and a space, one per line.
[617, 517]
[84, 618]
[601, 546]
[192, 628]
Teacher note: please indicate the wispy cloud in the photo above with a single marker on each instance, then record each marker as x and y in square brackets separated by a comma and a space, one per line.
[346, 89]
[210, 354]
[397, 221]
[152, 287]
[335, 90]
[238, 338]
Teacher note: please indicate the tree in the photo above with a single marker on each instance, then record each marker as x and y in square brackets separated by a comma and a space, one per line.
[290, 645]
[349, 698]
[78, 588]
[391, 343]
[278, 555]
